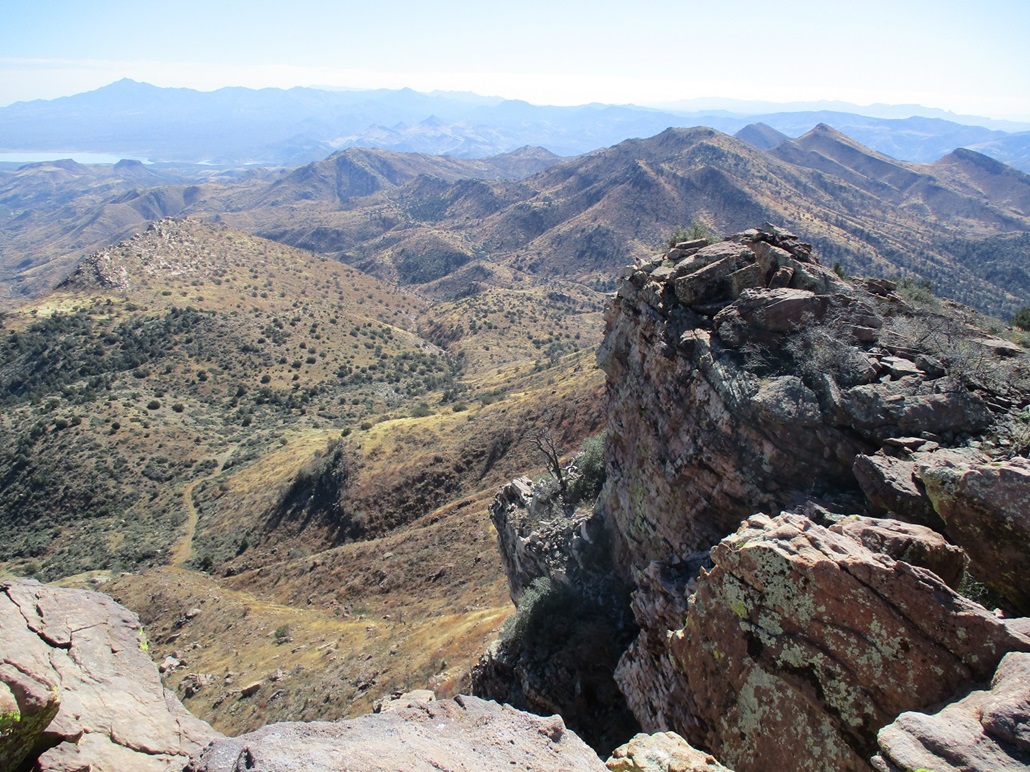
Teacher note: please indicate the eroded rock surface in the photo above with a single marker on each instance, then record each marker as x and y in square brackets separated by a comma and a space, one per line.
[114, 714]
[988, 731]
[802, 642]
[464, 735]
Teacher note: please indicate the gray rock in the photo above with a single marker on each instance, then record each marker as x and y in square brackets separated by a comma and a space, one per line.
[464, 735]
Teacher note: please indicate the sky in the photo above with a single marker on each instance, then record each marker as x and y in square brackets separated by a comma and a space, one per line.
[965, 56]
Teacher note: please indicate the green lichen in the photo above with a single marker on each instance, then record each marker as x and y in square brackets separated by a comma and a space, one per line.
[8, 720]
[738, 608]
[142, 636]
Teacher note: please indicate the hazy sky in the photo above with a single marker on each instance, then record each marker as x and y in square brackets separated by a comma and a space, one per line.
[968, 56]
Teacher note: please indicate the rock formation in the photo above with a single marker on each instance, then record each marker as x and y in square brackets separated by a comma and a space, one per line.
[745, 378]
[661, 752]
[462, 734]
[86, 694]
[558, 652]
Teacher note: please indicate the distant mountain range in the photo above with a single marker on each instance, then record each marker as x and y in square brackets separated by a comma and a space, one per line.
[234, 126]
[451, 225]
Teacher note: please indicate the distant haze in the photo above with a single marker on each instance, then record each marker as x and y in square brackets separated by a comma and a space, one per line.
[946, 54]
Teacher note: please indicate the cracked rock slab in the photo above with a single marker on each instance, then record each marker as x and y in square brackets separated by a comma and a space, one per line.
[114, 712]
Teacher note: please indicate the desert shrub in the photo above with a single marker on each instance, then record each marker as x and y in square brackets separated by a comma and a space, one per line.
[1022, 319]
[956, 346]
[697, 230]
[828, 347]
[918, 292]
[590, 472]
[543, 612]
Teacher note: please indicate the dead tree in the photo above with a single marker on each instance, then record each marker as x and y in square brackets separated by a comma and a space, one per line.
[547, 446]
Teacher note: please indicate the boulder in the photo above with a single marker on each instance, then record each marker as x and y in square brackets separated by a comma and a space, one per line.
[114, 714]
[986, 731]
[915, 544]
[985, 506]
[912, 406]
[463, 734]
[801, 643]
[661, 752]
[892, 487]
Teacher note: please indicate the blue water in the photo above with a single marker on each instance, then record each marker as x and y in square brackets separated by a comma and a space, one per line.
[29, 157]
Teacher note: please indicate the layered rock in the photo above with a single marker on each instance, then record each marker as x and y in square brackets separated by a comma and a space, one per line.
[802, 642]
[83, 654]
[742, 375]
[462, 734]
[987, 730]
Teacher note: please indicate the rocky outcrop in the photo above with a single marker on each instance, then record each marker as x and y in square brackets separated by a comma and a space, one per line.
[83, 654]
[462, 734]
[661, 752]
[985, 506]
[914, 544]
[538, 539]
[741, 376]
[987, 730]
[802, 642]
[744, 377]
[557, 654]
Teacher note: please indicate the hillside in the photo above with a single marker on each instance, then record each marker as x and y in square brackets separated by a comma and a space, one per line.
[282, 441]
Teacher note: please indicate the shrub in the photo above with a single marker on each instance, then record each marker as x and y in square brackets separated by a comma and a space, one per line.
[153, 405]
[1022, 319]
[589, 463]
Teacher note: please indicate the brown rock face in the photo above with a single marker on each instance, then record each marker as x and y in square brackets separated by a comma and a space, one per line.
[988, 730]
[986, 510]
[801, 643]
[465, 735]
[114, 713]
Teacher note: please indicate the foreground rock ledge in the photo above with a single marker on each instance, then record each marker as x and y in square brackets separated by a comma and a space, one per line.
[463, 735]
[112, 713]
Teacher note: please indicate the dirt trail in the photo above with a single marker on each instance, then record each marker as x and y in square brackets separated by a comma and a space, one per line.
[183, 549]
